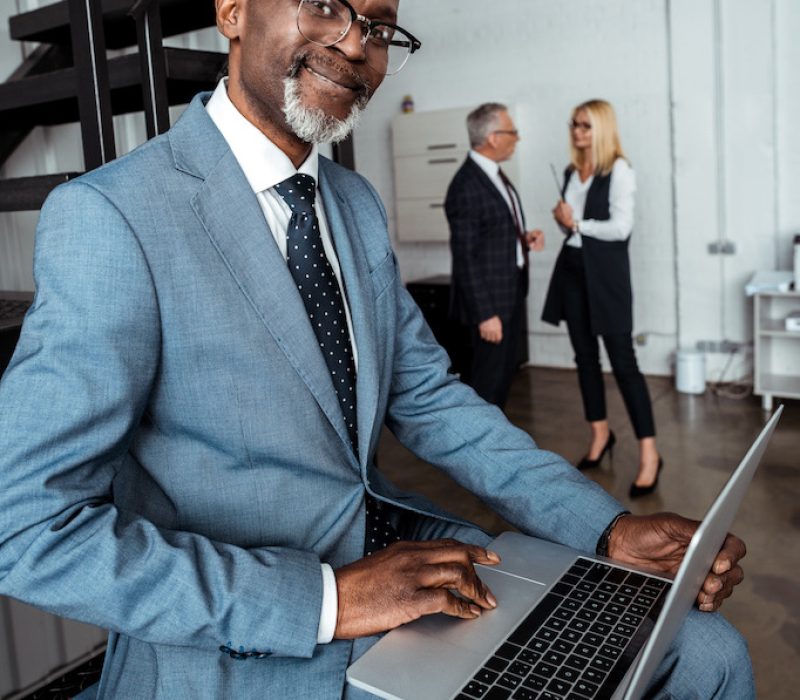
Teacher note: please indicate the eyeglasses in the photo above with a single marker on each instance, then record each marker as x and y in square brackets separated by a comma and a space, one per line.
[510, 132]
[326, 22]
[585, 126]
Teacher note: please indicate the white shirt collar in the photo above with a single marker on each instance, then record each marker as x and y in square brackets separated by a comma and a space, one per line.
[489, 166]
[263, 163]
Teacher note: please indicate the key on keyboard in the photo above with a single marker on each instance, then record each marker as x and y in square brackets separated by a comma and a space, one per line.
[578, 641]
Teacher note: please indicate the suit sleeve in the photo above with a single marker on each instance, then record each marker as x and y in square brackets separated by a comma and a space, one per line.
[71, 400]
[444, 422]
[466, 247]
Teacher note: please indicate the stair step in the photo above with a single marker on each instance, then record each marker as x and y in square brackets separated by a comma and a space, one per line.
[51, 98]
[42, 59]
[50, 24]
[29, 193]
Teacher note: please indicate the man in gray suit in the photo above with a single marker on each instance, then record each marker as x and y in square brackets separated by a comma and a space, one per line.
[181, 459]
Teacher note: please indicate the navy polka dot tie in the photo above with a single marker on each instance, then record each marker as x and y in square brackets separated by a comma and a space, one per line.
[319, 289]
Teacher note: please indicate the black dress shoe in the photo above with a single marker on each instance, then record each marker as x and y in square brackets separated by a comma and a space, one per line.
[587, 463]
[639, 491]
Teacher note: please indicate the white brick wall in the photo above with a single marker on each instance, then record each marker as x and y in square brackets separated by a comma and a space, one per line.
[729, 67]
[730, 92]
[721, 160]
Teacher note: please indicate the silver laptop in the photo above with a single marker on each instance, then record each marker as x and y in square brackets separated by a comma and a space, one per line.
[566, 624]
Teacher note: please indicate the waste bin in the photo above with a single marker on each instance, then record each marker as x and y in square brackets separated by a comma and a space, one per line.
[690, 371]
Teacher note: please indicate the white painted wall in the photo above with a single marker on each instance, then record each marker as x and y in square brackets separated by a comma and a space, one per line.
[704, 103]
[705, 95]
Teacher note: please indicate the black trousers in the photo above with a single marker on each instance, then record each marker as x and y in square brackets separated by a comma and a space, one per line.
[620, 351]
[493, 364]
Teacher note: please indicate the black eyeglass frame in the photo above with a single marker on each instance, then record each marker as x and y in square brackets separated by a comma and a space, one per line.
[572, 124]
[370, 24]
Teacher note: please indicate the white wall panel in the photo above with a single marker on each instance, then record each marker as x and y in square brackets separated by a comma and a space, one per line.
[747, 110]
[694, 87]
[787, 109]
[544, 57]
[722, 164]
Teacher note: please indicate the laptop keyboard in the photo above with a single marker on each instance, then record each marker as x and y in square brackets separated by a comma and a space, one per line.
[12, 308]
[578, 642]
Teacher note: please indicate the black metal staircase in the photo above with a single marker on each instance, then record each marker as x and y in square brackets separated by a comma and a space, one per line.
[69, 78]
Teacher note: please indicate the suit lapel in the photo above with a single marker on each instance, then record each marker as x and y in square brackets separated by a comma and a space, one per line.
[485, 182]
[358, 289]
[233, 220]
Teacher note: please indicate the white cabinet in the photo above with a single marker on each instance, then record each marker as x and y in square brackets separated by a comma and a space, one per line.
[777, 351]
[428, 148]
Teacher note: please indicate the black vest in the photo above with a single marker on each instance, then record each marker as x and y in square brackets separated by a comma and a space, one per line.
[607, 267]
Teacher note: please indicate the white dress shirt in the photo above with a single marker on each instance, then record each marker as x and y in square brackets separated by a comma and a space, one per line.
[621, 202]
[492, 170]
[264, 166]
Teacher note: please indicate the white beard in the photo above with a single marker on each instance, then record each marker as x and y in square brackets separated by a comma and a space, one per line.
[311, 124]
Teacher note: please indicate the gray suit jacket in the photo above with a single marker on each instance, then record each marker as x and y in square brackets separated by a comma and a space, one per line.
[171, 463]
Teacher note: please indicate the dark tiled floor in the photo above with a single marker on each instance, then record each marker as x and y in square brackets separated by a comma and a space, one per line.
[702, 438]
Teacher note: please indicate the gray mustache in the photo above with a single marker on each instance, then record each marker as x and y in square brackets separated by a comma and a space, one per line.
[301, 60]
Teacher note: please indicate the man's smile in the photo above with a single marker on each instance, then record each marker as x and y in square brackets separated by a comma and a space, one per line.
[330, 74]
[330, 80]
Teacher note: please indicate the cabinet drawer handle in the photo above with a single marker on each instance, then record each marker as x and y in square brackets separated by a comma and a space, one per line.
[441, 146]
[436, 205]
[442, 161]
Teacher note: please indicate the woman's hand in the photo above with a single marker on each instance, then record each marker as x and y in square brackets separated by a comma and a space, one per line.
[563, 214]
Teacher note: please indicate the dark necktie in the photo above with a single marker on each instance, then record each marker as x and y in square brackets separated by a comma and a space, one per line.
[517, 216]
[322, 298]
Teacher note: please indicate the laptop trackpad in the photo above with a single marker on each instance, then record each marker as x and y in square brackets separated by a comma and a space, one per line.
[439, 652]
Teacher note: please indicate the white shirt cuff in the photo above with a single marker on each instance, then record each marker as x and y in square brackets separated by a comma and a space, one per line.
[330, 606]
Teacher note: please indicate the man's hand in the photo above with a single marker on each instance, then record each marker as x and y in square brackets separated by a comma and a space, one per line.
[535, 240]
[659, 542]
[491, 330]
[408, 580]
[563, 214]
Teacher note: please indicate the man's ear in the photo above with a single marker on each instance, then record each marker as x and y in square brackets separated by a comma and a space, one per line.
[228, 14]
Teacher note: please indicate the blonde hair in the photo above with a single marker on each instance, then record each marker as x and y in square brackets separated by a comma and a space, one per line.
[606, 147]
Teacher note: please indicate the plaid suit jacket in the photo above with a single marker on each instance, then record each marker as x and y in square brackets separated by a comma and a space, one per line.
[483, 243]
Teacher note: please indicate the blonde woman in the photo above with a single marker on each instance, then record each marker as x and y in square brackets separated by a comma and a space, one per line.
[591, 284]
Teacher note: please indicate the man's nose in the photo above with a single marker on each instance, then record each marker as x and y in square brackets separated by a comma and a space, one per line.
[354, 44]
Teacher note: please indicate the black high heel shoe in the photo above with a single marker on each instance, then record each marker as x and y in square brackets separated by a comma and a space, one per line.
[587, 463]
[639, 491]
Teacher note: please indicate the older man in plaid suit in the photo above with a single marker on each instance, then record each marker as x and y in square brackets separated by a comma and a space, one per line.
[490, 247]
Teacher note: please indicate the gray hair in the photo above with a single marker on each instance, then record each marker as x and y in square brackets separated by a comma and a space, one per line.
[481, 121]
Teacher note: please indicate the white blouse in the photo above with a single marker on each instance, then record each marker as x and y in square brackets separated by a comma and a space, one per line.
[621, 201]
